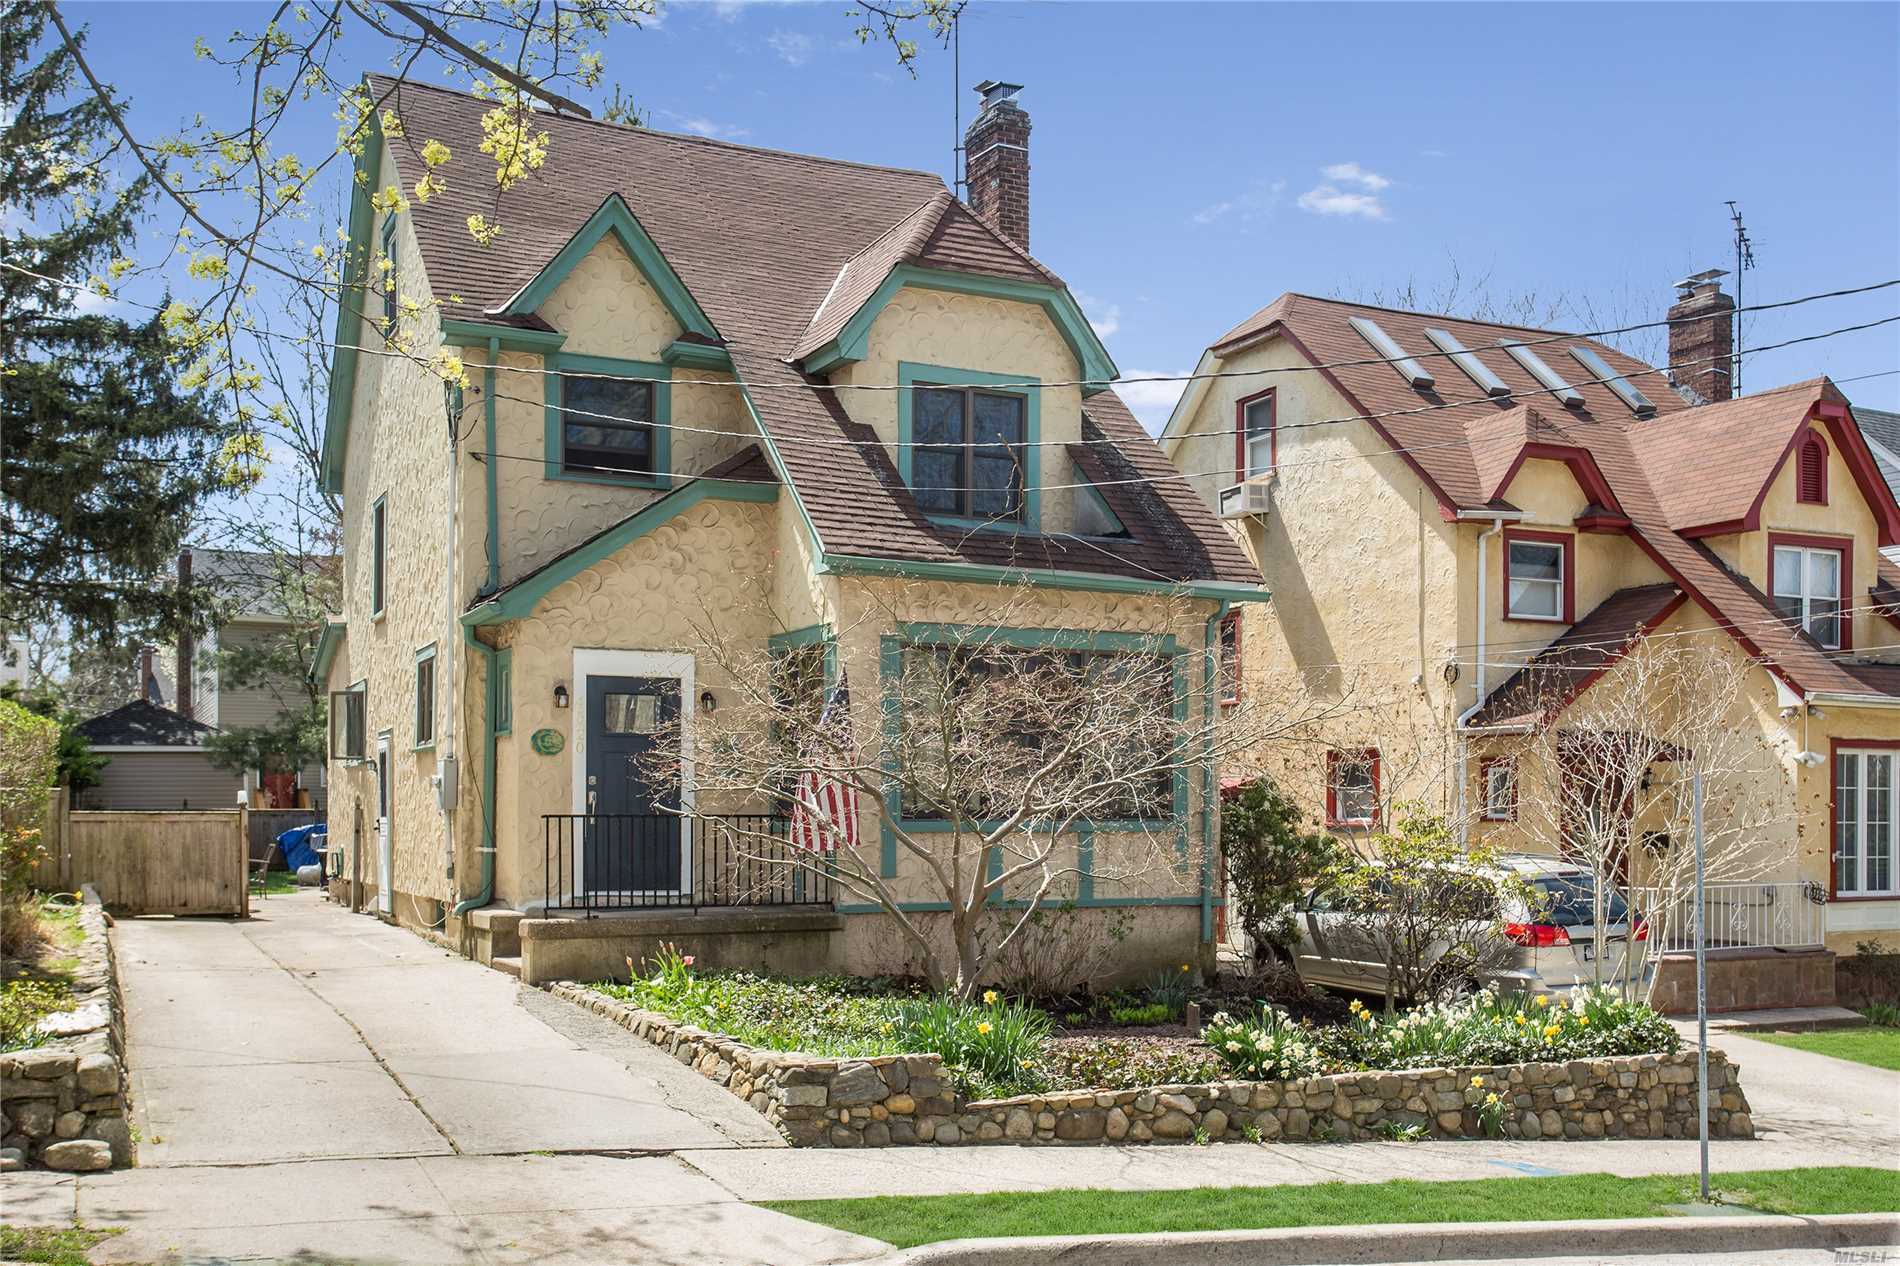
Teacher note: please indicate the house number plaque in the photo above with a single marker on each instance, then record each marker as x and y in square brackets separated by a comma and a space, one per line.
[547, 742]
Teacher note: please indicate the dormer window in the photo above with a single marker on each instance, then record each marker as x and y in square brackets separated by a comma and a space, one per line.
[1810, 484]
[607, 426]
[1809, 577]
[967, 451]
[1539, 570]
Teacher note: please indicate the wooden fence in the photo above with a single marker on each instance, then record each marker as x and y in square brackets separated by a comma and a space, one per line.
[267, 824]
[193, 862]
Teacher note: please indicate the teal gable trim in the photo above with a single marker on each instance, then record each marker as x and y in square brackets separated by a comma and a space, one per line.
[349, 314]
[617, 218]
[853, 341]
[553, 444]
[891, 665]
[982, 574]
[909, 374]
[684, 355]
[511, 338]
[329, 641]
[521, 600]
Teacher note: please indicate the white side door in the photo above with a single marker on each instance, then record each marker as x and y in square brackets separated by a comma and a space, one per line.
[385, 849]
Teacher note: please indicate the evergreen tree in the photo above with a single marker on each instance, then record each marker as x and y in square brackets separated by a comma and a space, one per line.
[103, 456]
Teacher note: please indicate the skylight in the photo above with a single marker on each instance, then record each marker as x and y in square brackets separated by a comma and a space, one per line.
[1463, 357]
[1641, 405]
[1381, 342]
[1531, 361]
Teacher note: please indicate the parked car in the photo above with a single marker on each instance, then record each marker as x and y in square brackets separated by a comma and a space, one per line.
[1546, 930]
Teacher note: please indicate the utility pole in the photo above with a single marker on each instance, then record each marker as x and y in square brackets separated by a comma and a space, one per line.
[1744, 259]
[1701, 995]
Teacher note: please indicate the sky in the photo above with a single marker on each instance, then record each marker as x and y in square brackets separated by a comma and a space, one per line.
[1190, 162]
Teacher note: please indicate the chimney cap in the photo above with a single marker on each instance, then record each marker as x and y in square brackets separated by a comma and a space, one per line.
[1707, 279]
[996, 92]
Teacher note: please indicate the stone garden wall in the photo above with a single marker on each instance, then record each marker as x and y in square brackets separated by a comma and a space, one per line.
[63, 1104]
[905, 1099]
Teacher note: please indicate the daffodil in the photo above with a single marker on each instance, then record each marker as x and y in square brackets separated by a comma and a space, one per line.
[989, 996]
[1477, 1083]
[1543, 999]
[983, 1027]
[1491, 1100]
[1519, 1018]
[1550, 1031]
[1583, 1020]
[1185, 967]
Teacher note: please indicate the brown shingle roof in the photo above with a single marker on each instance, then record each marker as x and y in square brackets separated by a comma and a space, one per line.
[1684, 471]
[774, 247]
[1564, 669]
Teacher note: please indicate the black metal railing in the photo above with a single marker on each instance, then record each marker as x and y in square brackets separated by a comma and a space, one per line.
[604, 862]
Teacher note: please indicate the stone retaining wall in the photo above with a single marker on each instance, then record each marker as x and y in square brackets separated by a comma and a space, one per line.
[905, 1099]
[63, 1104]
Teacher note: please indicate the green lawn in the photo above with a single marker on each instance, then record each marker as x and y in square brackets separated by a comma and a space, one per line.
[1875, 1044]
[56, 1247]
[906, 1221]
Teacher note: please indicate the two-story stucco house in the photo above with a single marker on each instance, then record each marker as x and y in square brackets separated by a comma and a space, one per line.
[696, 390]
[1474, 522]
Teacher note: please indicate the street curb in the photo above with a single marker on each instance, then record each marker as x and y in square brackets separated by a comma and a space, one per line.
[1424, 1242]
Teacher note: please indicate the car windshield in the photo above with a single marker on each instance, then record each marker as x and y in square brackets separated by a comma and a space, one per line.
[1569, 901]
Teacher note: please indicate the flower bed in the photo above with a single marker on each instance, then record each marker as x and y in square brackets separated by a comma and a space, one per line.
[878, 1064]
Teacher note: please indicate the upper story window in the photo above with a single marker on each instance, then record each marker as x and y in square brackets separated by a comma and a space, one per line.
[1352, 787]
[378, 553]
[606, 425]
[1230, 657]
[1254, 435]
[1538, 569]
[1807, 586]
[389, 275]
[425, 696]
[967, 452]
[1810, 485]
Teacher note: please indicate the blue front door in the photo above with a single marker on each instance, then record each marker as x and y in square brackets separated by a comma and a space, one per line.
[631, 843]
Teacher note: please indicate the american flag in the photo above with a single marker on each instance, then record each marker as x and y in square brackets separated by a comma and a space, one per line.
[824, 807]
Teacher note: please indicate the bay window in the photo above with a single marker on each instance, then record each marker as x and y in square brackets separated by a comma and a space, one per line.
[1864, 837]
[1807, 584]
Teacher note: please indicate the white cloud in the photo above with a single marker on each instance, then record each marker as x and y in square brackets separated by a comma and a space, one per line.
[1255, 204]
[1331, 200]
[793, 47]
[91, 302]
[699, 125]
[1104, 318]
[1151, 402]
[1354, 174]
[1360, 197]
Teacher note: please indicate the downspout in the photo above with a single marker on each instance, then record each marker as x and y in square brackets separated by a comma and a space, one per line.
[1464, 718]
[487, 850]
[488, 460]
[446, 790]
[1210, 650]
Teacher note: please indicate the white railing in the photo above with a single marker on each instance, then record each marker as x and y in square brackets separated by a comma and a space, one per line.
[1735, 916]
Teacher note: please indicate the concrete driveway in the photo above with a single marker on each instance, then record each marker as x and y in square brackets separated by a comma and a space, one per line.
[308, 1033]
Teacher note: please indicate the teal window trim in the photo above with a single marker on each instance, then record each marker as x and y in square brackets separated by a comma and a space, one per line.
[426, 655]
[378, 556]
[686, 355]
[891, 665]
[811, 635]
[329, 641]
[554, 442]
[910, 374]
[480, 334]
[351, 296]
[502, 685]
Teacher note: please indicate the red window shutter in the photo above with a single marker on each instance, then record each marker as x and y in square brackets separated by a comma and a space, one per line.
[1811, 477]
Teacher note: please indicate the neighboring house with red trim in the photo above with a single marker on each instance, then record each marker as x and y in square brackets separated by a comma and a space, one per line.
[1458, 513]
[709, 383]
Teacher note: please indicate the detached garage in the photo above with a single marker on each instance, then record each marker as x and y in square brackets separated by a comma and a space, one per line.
[156, 760]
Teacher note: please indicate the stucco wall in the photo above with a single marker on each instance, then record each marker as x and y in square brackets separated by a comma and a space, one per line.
[953, 331]
[397, 452]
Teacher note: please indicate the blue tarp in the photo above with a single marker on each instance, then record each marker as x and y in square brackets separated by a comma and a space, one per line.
[300, 844]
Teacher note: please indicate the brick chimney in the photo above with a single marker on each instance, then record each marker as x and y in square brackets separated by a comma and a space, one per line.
[996, 162]
[187, 644]
[1702, 338]
[148, 675]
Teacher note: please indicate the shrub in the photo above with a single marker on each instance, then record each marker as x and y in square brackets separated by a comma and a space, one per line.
[1126, 1063]
[1271, 860]
[1884, 1014]
[28, 745]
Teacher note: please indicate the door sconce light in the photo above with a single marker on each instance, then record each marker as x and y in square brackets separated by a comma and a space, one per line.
[560, 696]
[708, 701]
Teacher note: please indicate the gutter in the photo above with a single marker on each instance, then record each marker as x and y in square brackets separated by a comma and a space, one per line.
[1462, 724]
[1209, 653]
[488, 462]
[486, 893]
[1841, 700]
[1043, 578]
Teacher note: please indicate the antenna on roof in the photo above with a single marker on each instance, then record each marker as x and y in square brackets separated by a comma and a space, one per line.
[956, 104]
[1744, 260]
